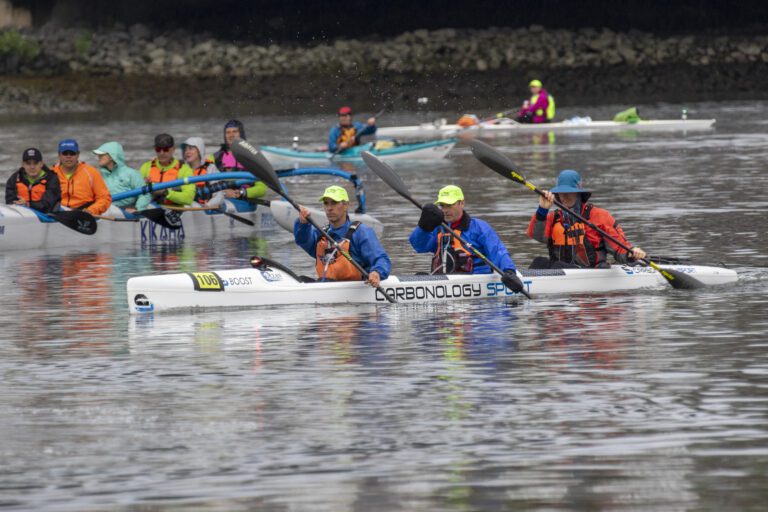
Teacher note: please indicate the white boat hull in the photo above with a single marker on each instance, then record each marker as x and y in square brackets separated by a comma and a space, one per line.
[21, 229]
[249, 287]
[429, 130]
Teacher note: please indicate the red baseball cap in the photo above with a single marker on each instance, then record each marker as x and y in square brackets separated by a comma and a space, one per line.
[345, 111]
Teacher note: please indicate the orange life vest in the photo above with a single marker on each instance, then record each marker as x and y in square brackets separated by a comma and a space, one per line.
[348, 134]
[156, 175]
[571, 244]
[33, 192]
[201, 171]
[451, 257]
[331, 265]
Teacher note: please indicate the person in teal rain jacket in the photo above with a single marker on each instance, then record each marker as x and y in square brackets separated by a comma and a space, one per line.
[119, 177]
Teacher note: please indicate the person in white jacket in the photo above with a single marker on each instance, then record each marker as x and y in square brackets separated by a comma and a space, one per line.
[193, 150]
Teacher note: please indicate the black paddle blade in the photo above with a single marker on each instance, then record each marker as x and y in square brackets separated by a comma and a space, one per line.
[496, 161]
[78, 220]
[256, 163]
[388, 176]
[167, 218]
[679, 280]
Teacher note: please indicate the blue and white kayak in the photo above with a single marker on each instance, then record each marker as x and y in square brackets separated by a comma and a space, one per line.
[274, 285]
[281, 157]
[23, 229]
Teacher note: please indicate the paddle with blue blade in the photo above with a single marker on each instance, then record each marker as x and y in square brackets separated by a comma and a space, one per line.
[500, 164]
[255, 162]
[77, 220]
[391, 178]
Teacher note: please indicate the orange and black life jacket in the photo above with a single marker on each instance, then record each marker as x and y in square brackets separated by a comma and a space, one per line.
[156, 175]
[348, 134]
[332, 266]
[31, 192]
[569, 242]
[451, 257]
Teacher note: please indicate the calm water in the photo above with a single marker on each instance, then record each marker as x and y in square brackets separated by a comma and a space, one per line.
[640, 401]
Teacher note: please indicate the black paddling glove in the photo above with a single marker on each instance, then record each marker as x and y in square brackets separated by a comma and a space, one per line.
[511, 281]
[431, 217]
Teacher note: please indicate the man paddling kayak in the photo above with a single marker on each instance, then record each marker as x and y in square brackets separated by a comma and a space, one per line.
[347, 133]
[571, 243]
[540, 108]
[82, 186]
[449, 255]
[34, 185]
[357, 239]
[165, 167]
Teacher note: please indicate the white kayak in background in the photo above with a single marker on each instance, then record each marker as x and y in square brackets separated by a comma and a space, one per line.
[23, 229]
[509, 127]
[272, 284]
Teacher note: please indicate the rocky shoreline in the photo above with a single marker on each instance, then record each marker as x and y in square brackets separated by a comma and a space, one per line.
[66, 70]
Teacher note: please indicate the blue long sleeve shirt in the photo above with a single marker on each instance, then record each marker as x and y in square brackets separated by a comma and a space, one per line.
[360, 130]
[364, 247]
[480, 234]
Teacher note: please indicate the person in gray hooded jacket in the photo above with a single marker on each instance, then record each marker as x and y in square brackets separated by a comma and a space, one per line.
[193, 150]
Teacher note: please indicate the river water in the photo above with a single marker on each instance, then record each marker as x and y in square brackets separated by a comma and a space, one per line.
[634, 401]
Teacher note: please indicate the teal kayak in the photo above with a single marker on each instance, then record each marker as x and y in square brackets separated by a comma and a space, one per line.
[281, 157]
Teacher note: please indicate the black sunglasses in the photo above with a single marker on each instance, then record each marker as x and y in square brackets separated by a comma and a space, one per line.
[69, 153]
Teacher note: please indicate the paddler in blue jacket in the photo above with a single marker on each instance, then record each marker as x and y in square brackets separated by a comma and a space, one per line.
[449, 256]
[357, 239]
[347, 133]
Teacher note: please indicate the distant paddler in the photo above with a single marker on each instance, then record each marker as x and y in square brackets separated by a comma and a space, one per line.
[225, 161]
[165, 167]
[540, 108]
[449, 255]
[82, 186]
[571, 242]
[347, 133]
[357, 239]
[120, 178]
[193, 150]
[33, 185]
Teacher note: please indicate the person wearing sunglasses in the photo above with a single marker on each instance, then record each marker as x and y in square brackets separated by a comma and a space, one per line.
[164, 168]
[82, 187]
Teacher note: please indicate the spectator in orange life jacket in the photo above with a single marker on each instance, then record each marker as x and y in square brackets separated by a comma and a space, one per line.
[164, 168]
[82, 187]
[34, 185]
[571, 243]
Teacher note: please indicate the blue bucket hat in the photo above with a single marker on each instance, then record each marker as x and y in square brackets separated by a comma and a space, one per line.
[570, 181]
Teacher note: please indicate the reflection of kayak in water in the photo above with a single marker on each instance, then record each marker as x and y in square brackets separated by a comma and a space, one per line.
[273, 284]
[385, 150]
[510, 127]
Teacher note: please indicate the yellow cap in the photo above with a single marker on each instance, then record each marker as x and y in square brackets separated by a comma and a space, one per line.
[449, 195]
[336, 193]
[535, 83]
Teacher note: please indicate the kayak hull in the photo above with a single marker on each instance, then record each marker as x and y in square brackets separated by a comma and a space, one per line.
[22, 229]
[250, 287]
[510, 128]
[281, 157]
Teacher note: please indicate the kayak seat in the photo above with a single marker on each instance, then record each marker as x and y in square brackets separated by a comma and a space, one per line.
[306, 279]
